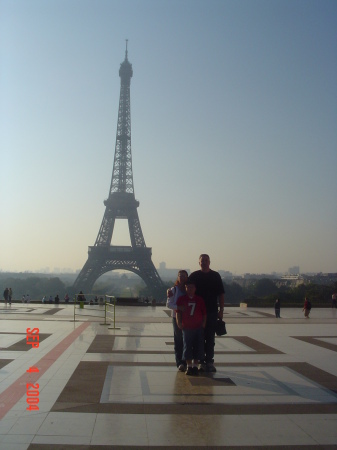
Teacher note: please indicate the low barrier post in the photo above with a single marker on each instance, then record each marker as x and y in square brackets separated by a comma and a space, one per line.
[105, 314]
[114, 311]
[74, 308]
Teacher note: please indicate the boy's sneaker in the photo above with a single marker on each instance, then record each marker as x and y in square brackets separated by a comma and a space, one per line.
[182, 368]
[202, 367]
[189, 371]
[210, 368]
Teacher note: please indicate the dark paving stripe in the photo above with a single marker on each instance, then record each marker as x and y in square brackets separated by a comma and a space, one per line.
[146, 352]
[197, 409]
[258, 346]
[83, 392]
[315, 340]
[86, 383]
[210, 381]
[4, 362]
[168, 447]
[21, 346]
[17, 310]
[52, 311]
[105, 344]
[102, 344]
[144, 336]
[264, 314]
[315, 374]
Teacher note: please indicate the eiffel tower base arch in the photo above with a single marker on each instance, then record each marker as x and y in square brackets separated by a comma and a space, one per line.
[137, 260]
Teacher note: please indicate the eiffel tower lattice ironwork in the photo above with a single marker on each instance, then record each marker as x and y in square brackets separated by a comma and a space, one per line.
[121, 204]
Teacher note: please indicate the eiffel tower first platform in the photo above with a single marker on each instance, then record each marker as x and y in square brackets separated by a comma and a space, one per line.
[121, 204]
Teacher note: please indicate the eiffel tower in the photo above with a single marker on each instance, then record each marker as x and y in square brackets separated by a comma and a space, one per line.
[121, 204]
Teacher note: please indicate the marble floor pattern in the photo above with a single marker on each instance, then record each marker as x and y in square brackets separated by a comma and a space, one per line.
[98, 386]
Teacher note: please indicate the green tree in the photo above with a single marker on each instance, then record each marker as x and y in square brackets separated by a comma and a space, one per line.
[51, 286]
[264, 287]
[233, 292]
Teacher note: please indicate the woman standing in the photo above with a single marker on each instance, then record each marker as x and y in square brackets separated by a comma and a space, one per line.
[306, 308]
[172, 296]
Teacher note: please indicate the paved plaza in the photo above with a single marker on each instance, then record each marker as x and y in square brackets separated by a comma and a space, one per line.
[100, 385]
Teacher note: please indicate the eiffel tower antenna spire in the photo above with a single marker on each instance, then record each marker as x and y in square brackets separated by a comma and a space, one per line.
[121, 204]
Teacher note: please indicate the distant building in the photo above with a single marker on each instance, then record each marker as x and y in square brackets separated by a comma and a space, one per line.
[169, 274]
[294, 270]
[321, 278]
[290, 281]
[226, 274]
[258, 276]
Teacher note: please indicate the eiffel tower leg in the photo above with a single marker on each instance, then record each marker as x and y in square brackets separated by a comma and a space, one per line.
[146, 267]
[136, 234]
[107, 227]
[88, 275]
[152, 279]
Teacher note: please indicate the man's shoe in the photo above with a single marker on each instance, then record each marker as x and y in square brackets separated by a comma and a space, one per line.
[195, 371]
[182, 368]
[202, 367]
[210, 368]
[189, 371]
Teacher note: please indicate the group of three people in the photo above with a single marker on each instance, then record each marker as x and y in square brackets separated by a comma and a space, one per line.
[197, 301]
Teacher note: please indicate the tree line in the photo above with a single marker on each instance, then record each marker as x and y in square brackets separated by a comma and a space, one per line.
[36, 287]
[262, 292]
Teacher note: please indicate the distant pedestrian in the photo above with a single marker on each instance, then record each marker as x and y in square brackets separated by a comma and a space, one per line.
[306, 308]
[80, 297]
[27, 298]
[10, 295]
[23, 298]
[51, 299]
[277, 307]
[6, 292]
[44, 299]
[66, 298]
[334, 300]
[57, 299]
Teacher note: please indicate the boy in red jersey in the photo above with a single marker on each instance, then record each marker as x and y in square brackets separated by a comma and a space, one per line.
[191, 319]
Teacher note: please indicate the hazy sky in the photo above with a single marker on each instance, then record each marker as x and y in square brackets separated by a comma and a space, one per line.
[234, 130]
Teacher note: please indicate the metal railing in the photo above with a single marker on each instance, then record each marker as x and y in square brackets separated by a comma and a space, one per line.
[110, 311]
[89, 302]
[108, 302]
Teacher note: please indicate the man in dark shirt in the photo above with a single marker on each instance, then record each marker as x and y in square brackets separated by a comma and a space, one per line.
[209, 286]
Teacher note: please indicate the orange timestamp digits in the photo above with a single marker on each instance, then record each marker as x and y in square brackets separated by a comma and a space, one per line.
[32, 339]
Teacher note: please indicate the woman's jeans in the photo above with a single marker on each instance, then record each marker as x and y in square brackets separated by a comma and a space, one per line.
[178, 343]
